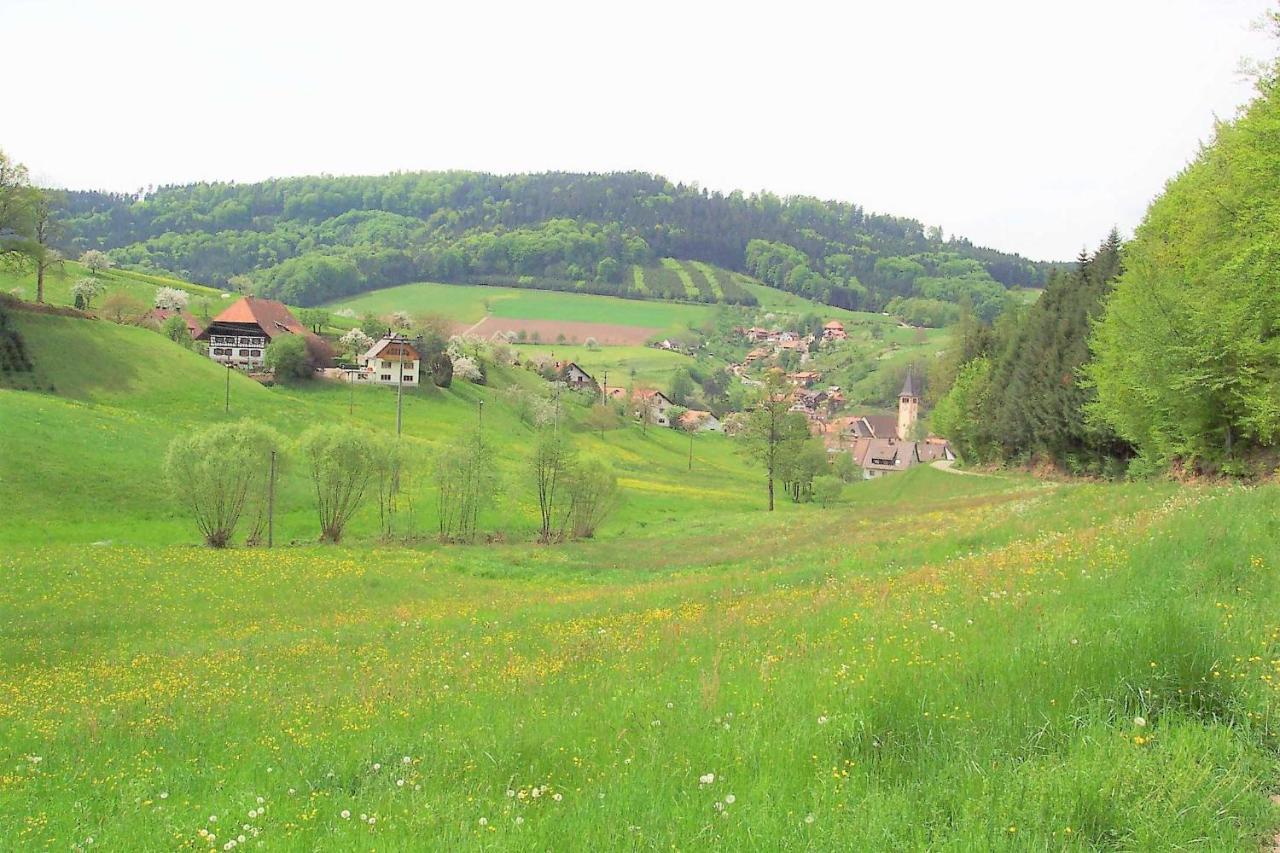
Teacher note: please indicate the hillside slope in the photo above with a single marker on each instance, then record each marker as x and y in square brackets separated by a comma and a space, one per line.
[311, 240]
[120, 394]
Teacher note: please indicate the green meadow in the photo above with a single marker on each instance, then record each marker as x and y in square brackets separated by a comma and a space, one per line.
[472, 302]
[938, 661]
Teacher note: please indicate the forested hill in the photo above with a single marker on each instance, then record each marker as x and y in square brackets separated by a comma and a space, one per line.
[312, 239]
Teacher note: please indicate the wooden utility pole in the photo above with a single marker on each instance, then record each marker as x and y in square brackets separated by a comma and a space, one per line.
[399, 390]
[271, 502]
[226, 404]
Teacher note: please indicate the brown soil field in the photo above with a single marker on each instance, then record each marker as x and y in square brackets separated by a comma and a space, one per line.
[606, 334]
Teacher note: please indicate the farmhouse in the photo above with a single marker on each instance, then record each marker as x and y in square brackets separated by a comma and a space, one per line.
[656, 404]
[239, 335]
[833, 330]
[577, 378]
[391, 360]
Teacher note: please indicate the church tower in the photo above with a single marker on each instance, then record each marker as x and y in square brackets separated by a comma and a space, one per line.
[908, 406]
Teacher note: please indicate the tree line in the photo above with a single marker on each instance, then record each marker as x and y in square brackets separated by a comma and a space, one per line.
[225, 477]
[315, 238]
[1161, 353]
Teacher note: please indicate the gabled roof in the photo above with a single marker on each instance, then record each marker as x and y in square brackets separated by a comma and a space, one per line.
[272, 317]
[649, 393]
[392, 347]
[833, 324]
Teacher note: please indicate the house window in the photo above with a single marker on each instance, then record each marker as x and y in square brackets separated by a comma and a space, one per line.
[244, 352]
[386, 365]
[408, 378]
[256, 353]
[386, 377]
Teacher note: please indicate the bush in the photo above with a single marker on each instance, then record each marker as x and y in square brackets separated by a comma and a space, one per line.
[217, 471]
[287, 358]
[342, 460]
[827, 489]
[593, 494]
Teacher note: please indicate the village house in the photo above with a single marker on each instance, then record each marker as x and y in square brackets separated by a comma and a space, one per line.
[656, 404]
[239, 336]
[833, 330]
[696, 420]
[392, 360]
[803, 378]
[577, 378]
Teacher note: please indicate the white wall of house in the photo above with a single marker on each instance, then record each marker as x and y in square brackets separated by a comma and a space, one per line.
[382, 371]
[243, 351]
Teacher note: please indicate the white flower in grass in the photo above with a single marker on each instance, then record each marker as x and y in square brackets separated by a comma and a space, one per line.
[484, 821]
[557, 796]
[346, 814]
[1139, 721]
[730, 799]
[823, 720]
[406, 760]
[240, 839]
[213, 818]
[399, 783]
[519, 820]
[261, 801]
[376, 766]
[809, 818]
[164, 795]
[706, 778]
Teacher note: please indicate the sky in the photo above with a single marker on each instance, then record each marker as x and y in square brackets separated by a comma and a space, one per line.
[1027, 125]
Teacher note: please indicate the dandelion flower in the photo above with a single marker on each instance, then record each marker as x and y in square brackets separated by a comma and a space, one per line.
[729, 798]
[406, 760]
[809, 818]
[823, 720]
[346, 814]
[164, 795]
[377, 766]
[519, 820]
[399, 783]
[1139, 721]
[707, 778]
[484, 821]
[557, 796]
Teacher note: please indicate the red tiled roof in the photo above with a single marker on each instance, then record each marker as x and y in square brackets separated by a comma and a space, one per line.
[267, 314]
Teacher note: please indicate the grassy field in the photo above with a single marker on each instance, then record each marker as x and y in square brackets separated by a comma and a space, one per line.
[468, 303]
[139, 285]
[938, 662]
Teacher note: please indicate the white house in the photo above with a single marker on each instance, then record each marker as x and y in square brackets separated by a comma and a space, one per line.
[657, 404]
[577, 378]
[390, 361]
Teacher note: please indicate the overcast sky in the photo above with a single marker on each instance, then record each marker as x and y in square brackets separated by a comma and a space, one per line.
[1026, 125]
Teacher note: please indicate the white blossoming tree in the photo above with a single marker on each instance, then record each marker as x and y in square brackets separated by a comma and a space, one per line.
[465, 367]
[85, 291]
[172, 299]
[96, 261]
[355, 341]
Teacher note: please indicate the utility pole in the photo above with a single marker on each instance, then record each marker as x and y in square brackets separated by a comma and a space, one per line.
[271, 502]
[399, 389]
[604, 397]
[480, 424]
[226, 404]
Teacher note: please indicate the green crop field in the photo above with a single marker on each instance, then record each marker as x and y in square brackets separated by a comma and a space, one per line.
[938, 661]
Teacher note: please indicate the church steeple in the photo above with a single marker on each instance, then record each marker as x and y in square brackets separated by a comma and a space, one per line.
[908, 406]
